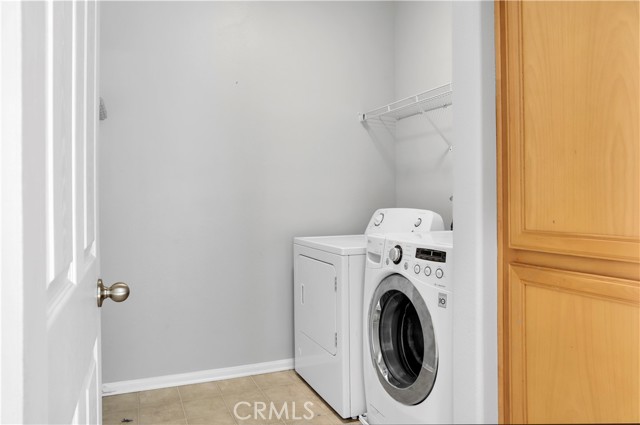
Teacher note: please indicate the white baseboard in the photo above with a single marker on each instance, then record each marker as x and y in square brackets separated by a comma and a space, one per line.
[145, 384]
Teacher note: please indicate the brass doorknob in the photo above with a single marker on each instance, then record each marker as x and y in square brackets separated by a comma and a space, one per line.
[118, 292]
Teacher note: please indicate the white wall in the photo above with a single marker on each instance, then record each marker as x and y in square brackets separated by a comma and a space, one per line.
[437, 42]
[231, 129]
[475, 343]
[424, 176]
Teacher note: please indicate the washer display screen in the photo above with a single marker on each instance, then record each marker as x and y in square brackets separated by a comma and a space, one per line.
[431, 255]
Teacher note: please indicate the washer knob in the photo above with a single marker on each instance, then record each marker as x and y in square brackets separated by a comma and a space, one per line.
[418, 222]
[427, 271]
[378, 219]
[439, 273]
[416, 269]
[395, 254]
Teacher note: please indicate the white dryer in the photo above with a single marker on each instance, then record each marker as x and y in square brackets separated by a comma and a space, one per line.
[328, 291]
[407, 351]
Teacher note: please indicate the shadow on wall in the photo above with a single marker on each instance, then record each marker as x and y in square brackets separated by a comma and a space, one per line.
[382, 133]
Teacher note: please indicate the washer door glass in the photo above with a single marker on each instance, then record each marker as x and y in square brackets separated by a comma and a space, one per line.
[403, 345]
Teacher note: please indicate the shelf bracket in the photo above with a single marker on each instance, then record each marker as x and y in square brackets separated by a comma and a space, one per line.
[437, 129]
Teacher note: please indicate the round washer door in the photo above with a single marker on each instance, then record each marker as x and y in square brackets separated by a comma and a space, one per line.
[402, 341]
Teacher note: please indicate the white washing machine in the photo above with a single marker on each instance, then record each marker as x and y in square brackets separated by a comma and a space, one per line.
[407, 351]
[328, 290]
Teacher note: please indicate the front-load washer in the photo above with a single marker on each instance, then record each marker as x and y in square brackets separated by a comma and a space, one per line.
[407, 312]
[328, 285]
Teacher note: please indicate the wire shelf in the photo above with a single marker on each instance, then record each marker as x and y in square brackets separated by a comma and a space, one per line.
[439, 97]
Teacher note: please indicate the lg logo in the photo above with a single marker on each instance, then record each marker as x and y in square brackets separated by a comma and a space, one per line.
[442, 300]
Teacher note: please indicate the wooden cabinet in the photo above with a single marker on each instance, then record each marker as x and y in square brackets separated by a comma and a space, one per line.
[573, 347]
[569, 211]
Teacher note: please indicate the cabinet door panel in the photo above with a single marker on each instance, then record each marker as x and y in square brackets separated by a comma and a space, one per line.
[577, 346]
[574, 128]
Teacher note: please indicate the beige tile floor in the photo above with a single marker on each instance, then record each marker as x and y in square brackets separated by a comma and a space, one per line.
[214, 402]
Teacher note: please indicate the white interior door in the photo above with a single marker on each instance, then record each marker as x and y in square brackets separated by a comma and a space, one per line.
[73, 320]
[50, 321]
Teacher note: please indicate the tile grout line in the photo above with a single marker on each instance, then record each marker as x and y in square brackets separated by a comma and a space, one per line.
[263, 393]
[184, 412]
[323, 403]
[225, 404]
[138, 415]
[259, 389]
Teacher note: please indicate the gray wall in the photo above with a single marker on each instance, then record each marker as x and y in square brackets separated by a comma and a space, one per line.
[231, 129]
[424, 176]
[475, 337]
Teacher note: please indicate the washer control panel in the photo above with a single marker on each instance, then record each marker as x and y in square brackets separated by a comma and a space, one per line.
[395, 254]
[428, 264]
[431, 255]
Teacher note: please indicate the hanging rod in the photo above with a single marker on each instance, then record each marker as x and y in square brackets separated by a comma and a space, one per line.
[439, 97]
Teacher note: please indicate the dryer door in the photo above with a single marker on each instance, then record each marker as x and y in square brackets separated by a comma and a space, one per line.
[402, 340]
[318, 302]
